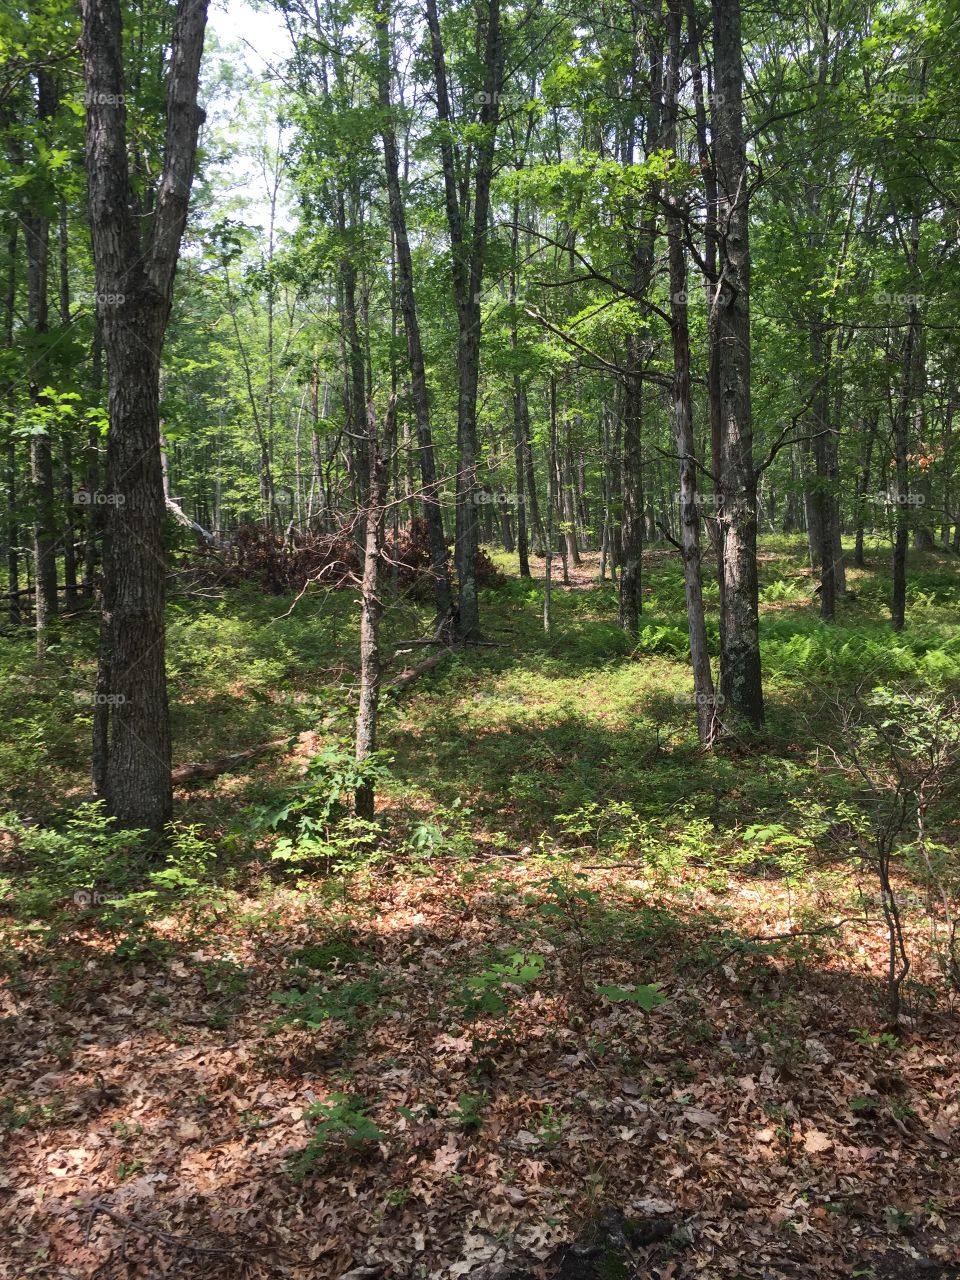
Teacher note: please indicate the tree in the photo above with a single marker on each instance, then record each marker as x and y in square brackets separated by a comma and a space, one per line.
[730, 333]
[135, 274]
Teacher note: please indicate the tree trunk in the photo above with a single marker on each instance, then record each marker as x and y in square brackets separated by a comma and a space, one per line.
[36, 227]
[741, 682]
[863, 489]
[418, 376]
[901, 458]
[631, 573]
[548, 538]
[371, 609]
[12, 527]
[71, 599]
[135, 286]
[467, 241]
[683, 416]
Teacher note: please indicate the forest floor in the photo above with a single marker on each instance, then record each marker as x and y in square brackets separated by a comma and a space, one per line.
[600, 1004]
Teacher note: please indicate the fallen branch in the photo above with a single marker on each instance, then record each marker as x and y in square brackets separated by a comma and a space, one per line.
[407, 677]
[213, 768]
[179, 1242]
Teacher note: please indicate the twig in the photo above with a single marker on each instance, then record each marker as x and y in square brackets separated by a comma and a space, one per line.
[180, 1242]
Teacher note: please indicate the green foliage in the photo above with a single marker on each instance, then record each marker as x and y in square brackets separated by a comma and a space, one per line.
[77, 864]
[349, 1002]
[468, 1113]
[342, 1121]
[315, 820]
[645, 997]
[492, 990]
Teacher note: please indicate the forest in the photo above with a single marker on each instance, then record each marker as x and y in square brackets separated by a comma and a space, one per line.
[480, 639]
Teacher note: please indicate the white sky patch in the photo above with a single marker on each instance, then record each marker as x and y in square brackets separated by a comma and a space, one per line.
[261, 33]
[254, 41]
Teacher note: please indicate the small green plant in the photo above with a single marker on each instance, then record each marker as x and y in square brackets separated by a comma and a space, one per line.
[646, 997]
[550, 1129]
[76, 864]
[313, 1006]
[868, 1040]
[467, 1113]
[492, 990]
[224, 978]
[864, 1103]
[341, 1121]
[316, 823]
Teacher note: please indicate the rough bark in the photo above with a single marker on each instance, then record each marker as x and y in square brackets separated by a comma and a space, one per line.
[683, 413]
[12, 527]
[408, 309]
[730, 328]
[467, 241]
[36, 228]
[135, 285]
[371, 609]
[863, 488]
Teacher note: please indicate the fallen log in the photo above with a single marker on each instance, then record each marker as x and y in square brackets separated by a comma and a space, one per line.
[213, 768]
[407, 677]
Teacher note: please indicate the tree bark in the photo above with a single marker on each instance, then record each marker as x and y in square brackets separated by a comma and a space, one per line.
[741, 682]
[135, 286]
[407, 299]
[371, 609]
[467, 241]
[863, 488]
[36, 227]
[12, 526]
[683, 413]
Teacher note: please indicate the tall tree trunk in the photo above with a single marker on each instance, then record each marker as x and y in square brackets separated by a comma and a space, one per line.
[863, 488]
[418, 376]
[371, 607]
[901, 458]
[569, 495]
[71, 599]
[521, 434]
[521, 414]
[824, 497]
[36, 226]
[12, 525]
[91, 472]
[947, 473]
[132, 768]
[631, 573]
[741, 682]
[683, 413]
[467, 240]
[548, 535]
[706, 160]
